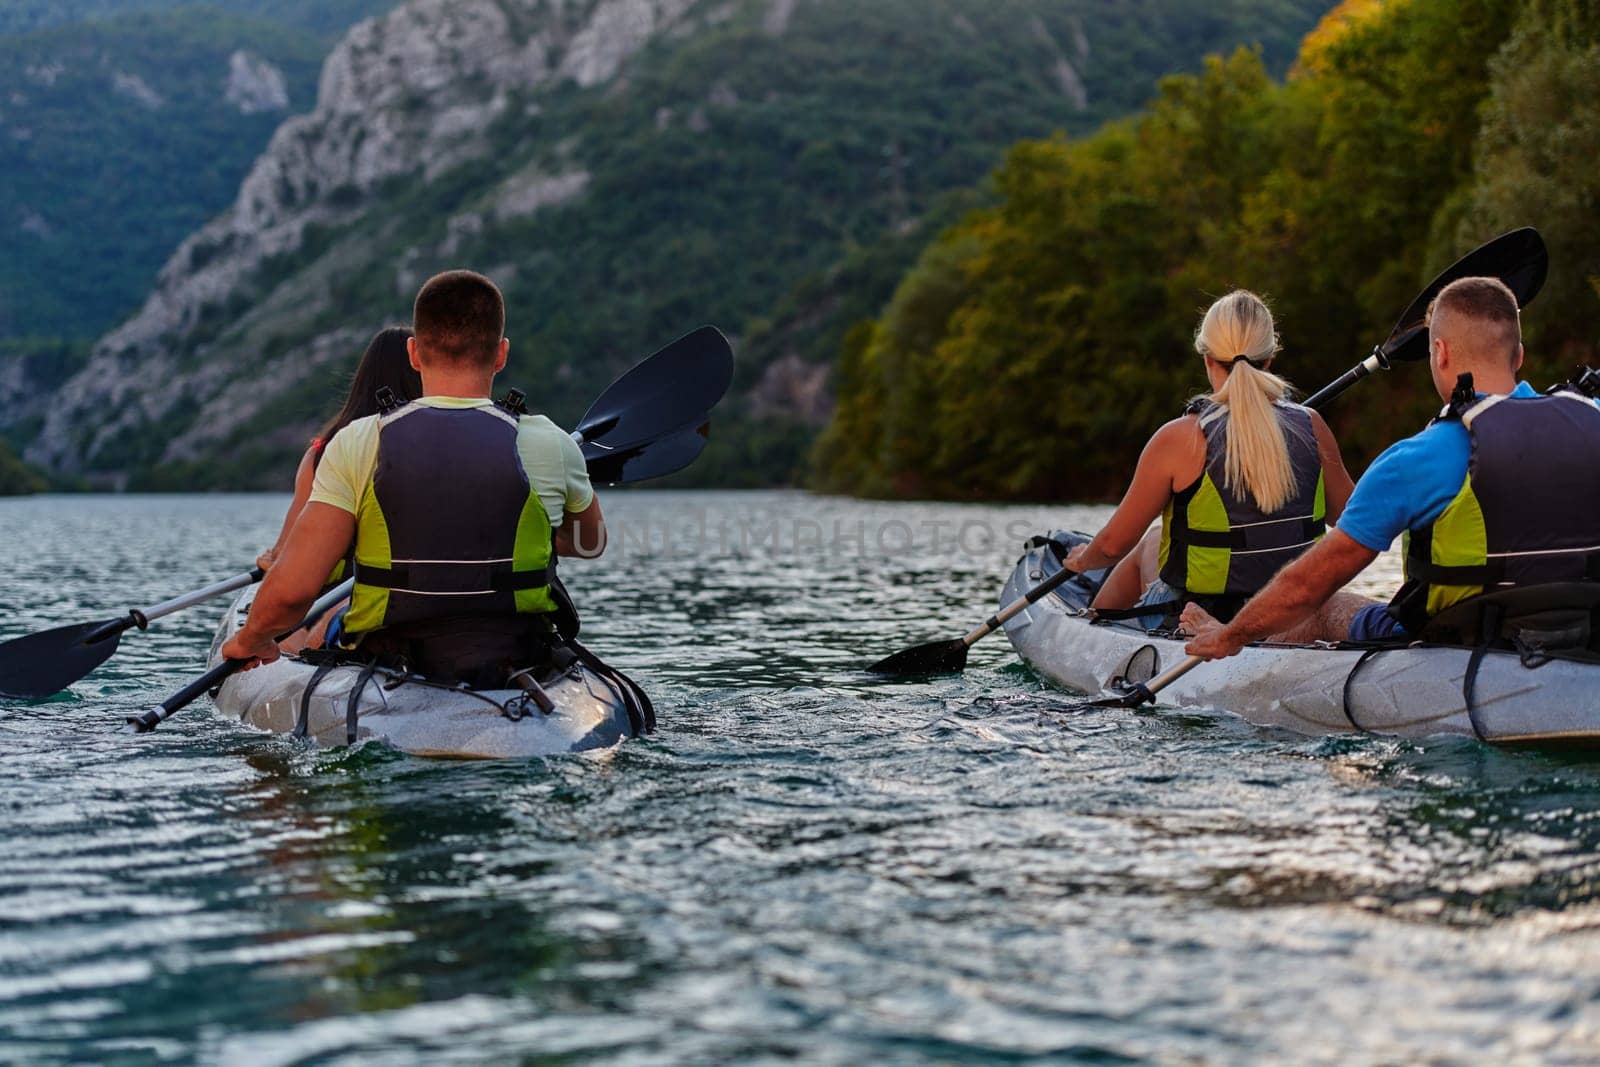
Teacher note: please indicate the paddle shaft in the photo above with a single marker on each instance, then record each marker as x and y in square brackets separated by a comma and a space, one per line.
[1146, 692]
[1371, 365]
[143, 724]
[143, 617]
[1032, 596]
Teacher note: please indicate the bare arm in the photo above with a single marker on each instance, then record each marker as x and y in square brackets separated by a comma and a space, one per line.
[582, 534]
[1336, 481]
[1152, 486]
[319, 540]
[1297, 591]
[304, 475]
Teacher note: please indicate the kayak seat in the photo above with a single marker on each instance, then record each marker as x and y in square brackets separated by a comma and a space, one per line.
[1557, 619]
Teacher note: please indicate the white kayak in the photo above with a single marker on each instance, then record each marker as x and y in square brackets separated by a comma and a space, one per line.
[592, 707]
[1411, 690]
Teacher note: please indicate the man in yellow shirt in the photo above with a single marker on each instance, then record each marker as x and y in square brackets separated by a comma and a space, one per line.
[456, 509]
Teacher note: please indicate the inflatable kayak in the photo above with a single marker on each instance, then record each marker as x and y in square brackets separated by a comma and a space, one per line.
[1413, 690]
[593, 706]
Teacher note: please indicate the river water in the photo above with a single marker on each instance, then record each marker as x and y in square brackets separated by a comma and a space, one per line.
[803, 863]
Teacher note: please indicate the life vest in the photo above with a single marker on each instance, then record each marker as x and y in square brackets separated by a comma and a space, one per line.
[1527, 512]
[1215, 540]
[448, 525]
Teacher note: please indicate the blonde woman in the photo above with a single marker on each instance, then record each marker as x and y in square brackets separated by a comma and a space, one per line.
[1243, 481]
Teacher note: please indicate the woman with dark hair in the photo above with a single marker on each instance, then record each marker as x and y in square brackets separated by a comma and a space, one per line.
[385, 363]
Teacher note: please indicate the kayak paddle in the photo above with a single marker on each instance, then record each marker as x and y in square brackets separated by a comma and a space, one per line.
[650, 459]
[1137, 693]
[42, 664]
[651, 421]
[1518, 258]
[143, 724]
[663, 394]
[950, 657]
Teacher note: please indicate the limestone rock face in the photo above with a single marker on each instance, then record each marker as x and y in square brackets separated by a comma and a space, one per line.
[407, 96]
[255, 86]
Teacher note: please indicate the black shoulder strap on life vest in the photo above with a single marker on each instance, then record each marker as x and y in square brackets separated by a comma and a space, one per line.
[515, 402]
[1462, 397]
[1587, 383]
[387, 401]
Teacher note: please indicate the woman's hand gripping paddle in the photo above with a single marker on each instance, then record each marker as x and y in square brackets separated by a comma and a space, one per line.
[1518, 258]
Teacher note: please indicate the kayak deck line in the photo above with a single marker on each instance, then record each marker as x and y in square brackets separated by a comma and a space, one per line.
[1324, 688]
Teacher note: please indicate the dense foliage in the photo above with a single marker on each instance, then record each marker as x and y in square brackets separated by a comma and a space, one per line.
[15, 477]
[732, 166]
[117, 141]
[1037, 344]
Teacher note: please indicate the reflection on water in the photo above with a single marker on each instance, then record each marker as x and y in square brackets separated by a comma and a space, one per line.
[804, 862]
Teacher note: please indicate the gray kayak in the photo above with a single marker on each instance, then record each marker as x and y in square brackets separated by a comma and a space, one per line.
[425, 719]
[1411, 690]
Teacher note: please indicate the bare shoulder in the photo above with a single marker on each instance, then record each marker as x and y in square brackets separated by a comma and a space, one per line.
[1179, 437]
[1320, 427]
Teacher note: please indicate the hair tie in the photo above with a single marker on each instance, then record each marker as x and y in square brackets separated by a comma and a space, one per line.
[1257, 364]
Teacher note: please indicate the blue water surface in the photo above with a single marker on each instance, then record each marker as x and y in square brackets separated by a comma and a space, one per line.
[804, 863]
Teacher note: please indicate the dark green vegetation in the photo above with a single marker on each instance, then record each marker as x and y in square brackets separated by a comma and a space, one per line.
[777, 185]
[1038, 343]
[318, 16]
[117, 141]
[15, 476]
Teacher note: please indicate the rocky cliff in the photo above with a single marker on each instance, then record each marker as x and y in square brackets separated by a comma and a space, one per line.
[402, 98]
[626, 170]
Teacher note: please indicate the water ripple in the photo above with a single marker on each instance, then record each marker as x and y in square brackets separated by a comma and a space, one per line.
[805, 863]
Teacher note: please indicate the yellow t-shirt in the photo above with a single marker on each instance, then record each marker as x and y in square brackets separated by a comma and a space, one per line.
[552, 459]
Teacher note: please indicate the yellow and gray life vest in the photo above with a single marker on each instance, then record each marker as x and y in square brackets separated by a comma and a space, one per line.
[1215, 540]
[449, 525]
[1527, 513]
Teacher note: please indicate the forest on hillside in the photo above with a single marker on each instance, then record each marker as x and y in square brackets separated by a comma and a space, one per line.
[1038, 342]
[118, 139]
[769, 183]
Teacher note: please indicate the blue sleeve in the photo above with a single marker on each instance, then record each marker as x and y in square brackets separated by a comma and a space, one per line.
[1408, 486]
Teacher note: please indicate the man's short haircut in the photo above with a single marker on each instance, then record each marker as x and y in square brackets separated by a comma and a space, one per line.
[460, 317]
[1491, 306]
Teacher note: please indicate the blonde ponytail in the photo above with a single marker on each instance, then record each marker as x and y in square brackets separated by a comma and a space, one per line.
[1236, 329]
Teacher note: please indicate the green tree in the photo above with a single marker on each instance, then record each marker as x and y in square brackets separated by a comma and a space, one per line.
[16, 478]
[1070, 340]
[1535, 164]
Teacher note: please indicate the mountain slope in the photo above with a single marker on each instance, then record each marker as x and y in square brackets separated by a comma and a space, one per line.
[1048, 335]
[317, 16]
[119, 136]
[626, 169]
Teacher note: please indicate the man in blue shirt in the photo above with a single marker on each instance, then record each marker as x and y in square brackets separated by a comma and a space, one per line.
[1473, 328]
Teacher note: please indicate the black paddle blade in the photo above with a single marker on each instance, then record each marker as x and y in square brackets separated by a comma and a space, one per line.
[652, 459]
[43, 664]
[665, 392]
[1132, 696]
[935, 657]
[1518, 258]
